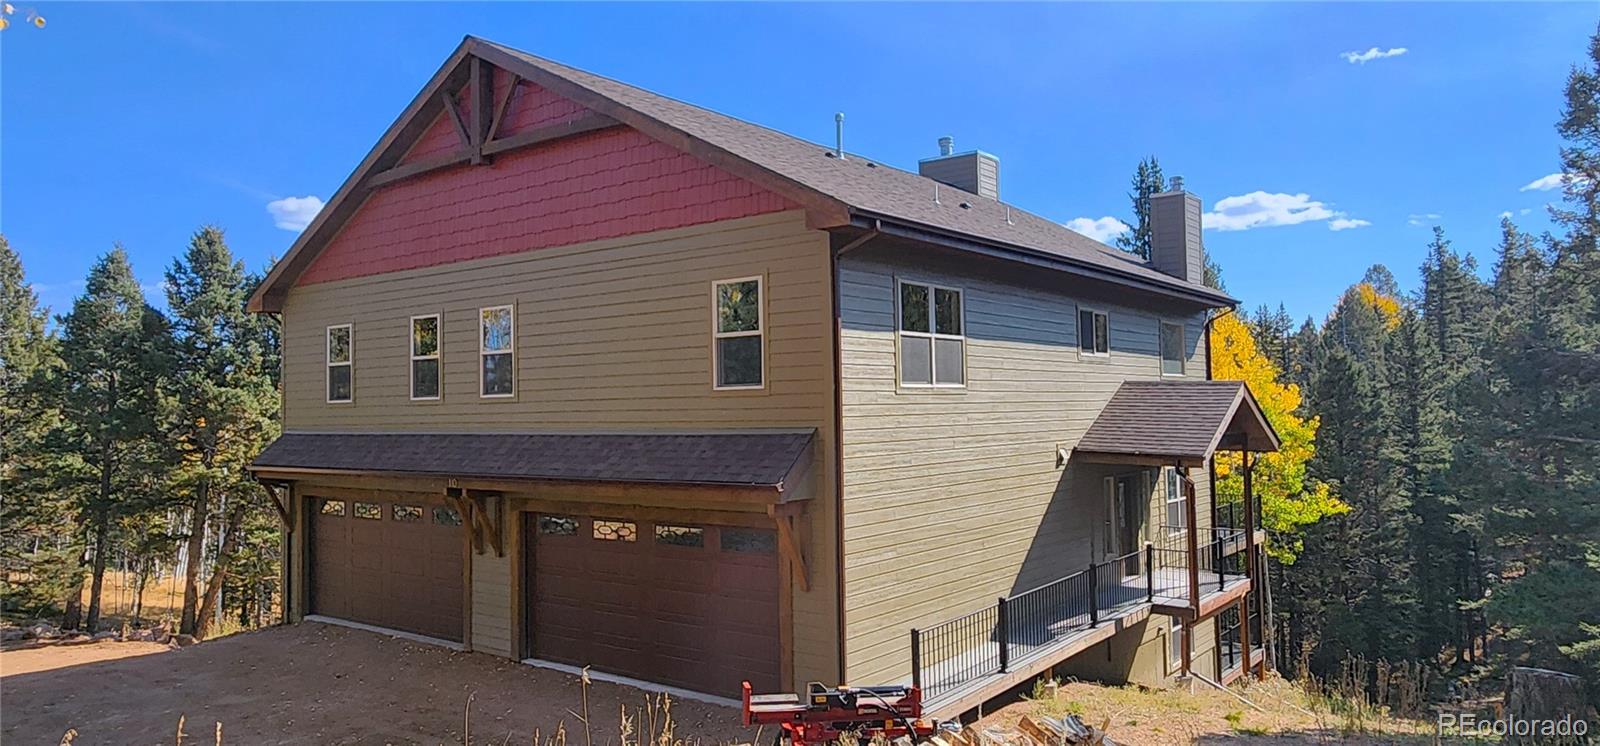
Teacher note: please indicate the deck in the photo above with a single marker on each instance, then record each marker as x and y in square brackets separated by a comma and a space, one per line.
[1037, 635]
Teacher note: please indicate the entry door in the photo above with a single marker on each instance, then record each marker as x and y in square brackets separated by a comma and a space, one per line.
[1125, 510]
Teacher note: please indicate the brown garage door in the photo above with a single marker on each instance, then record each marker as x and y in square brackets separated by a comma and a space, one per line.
[687, 605]
[389, 564]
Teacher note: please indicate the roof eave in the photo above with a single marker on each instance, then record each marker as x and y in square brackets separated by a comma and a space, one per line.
[964, 242]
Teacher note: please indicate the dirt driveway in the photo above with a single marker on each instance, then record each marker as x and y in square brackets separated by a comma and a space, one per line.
[314, 683]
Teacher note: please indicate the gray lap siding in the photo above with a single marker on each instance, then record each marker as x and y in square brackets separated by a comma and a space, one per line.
[952, 497]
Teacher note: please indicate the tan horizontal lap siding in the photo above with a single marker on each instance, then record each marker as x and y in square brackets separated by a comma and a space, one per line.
[610, 335]
[952, 497]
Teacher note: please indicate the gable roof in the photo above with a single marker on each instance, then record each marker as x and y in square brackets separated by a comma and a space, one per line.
[1184, 421]
[835, 192]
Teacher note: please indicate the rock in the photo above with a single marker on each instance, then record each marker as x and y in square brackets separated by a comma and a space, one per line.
[183, 640]
[44, 631]
[11, 634]
[107, 635]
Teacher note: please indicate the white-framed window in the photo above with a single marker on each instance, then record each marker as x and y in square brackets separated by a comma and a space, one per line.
[1175, 645]
[341, 364]
[738, 334]
[1177, 502]
[497, 366]
[1171, 349]
[933, 344]
[1094, 332]
[425, 364]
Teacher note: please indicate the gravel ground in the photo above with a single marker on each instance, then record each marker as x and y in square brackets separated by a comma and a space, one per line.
[315, 683]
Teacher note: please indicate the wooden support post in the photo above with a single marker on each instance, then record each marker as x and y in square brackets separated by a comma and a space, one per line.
[1244, 635]
[1249, 518]
[1194, 551]
[481, 94]
[448, 101]
[505, 103]
[784, 516]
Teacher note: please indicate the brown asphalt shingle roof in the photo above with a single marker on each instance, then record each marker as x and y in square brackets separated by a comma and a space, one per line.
[732, 459]
[1181, 419]
[878, 189]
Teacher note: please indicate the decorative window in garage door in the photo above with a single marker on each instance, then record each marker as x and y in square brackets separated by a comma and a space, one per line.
[408, 513]
[748, 540]
[333, 507]
[615, 530]
[446, 517]
[683, 536]
[369, 510]
[558, 525]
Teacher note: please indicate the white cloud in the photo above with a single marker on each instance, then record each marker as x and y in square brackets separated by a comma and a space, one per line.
[1546, 183]
[1342, 224]
[1523, 211]
[1362, 58]
[1262, 210]
[1422, 218]
[1102, 230]
[294, 213]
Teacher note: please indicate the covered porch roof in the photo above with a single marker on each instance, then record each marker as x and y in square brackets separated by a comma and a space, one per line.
[768, 462]
[1162, 423]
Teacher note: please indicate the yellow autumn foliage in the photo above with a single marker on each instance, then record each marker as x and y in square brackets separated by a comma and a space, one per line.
[1289, 501]
[1387, 306]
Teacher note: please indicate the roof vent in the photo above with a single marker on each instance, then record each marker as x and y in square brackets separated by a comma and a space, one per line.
[838, 135]
[947, 145]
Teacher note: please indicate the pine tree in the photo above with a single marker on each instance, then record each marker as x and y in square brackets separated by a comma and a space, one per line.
[38, 539]
[111, 348]
[1147, 180]
[225, 403]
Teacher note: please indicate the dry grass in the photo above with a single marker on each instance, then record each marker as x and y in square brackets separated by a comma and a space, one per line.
[1272, 711]
[163, 604]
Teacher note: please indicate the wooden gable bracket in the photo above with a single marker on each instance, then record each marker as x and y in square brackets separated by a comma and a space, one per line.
[787, 518]
[482, 519]
[281, 503]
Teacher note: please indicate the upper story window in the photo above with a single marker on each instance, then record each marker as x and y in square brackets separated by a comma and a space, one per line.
[341, 364]
[1177, 502]
[1094, 332]
[932, 341]
[425, 357]
[737, 332]
[496, 351]
[1171, 349]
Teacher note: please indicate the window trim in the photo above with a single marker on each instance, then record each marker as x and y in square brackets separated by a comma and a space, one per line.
[438, 354]
[1078, 323]
[718, 334]
[329, 364]
[1183, 338]
[510, 350]
[932, 334]
[1170, 478]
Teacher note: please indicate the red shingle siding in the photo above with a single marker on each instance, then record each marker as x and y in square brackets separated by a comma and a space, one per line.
[598, 185]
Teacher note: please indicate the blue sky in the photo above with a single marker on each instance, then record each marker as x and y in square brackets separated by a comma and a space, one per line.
[138, 122]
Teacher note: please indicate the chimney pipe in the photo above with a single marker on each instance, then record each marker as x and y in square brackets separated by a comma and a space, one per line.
[947, 145]
[1177, 183]
[838, 135]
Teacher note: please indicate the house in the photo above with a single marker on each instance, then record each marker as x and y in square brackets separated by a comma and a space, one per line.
[578, 374]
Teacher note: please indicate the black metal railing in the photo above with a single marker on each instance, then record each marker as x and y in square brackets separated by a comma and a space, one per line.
[1023, 625]
[1228, 515]
[1229, 650]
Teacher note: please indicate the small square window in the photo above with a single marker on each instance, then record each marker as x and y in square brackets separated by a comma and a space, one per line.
[446, 517]
[369, 510]
[407, 513]
[615, 530]
[682, 536]
[333, 507]
[558, 525]
[750, 540]
[1175, 644]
